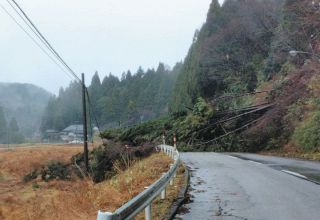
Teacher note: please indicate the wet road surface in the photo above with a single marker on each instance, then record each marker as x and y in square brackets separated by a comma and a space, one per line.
[226, 187]
[305, 169]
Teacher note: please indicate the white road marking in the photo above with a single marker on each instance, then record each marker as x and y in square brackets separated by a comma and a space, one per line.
[251, 161]
[294, 174]
[233, 157]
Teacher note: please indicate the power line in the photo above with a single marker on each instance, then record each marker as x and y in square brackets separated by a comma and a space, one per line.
[28, 34]
[41, 37]
[31, 28]
[47, 42]
[25, 21]
[94, 115]
[227, 134]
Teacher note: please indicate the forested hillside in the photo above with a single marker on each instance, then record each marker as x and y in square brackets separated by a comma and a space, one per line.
[22, 106]
[134, 98]
[239, 88]
[231, 52]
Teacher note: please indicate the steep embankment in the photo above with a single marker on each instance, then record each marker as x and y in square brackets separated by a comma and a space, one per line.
[243, 48]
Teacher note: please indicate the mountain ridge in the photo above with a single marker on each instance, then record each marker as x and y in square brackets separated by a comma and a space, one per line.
[25, 102]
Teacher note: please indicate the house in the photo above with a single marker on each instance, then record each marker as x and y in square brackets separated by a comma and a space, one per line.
[72, 133]
[51, 135]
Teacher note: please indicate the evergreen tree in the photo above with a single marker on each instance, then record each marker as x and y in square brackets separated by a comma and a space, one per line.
[230, 48]
[3, 127]
[13, 127]
[95, 87]
[95, 92]
[139, 95]
[15, 137]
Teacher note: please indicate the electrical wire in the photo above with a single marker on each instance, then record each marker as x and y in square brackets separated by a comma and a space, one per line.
[94, 115]
[29, 35]
[31, 28]
[47, 42]
[25, 18]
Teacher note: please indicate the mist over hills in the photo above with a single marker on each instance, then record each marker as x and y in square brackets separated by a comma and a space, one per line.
[25, 103]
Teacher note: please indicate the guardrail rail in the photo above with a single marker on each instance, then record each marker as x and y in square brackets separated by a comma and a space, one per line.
[145, 199]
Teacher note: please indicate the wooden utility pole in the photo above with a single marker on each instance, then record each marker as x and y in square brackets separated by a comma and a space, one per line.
[85, 130]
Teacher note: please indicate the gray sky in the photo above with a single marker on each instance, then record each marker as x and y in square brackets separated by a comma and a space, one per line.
[104, 35]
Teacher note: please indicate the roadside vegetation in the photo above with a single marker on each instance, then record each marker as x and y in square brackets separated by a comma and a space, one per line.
[42, 198]
[161, 209]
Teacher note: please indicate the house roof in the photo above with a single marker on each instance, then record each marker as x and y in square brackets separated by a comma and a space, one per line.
[74, 129]
[52, 131]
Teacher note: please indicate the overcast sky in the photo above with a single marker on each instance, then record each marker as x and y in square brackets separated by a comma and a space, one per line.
[103, 35]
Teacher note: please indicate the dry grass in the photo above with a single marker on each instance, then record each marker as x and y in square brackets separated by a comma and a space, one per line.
[71, 199]
[21, 160]
[161, 207]
[130, 182]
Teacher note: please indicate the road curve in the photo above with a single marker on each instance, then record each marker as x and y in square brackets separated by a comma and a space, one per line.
[224, 187]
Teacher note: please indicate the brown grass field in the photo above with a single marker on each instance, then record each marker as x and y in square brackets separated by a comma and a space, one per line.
[79, 199]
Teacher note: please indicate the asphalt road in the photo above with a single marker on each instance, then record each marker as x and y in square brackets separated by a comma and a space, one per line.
[226, 187]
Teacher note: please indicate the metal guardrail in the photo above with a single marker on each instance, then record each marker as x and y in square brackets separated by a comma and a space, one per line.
[144, 199]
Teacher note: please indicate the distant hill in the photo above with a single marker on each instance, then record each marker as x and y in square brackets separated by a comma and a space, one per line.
[26, 103]
[134, 98]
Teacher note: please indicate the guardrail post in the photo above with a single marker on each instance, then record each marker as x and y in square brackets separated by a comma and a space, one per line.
[163, 192]
[104, 215]
[148, 215]
[171, 181]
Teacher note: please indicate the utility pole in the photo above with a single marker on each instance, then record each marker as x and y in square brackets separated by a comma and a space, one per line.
[8, 138]
[6, 118]
[85, 130]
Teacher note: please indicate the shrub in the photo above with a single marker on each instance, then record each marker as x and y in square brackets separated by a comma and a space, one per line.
[202, 108]
[287, 68]
[35, 186]
[307, 134]
[31, 176]
[55, 170]
[102, 159]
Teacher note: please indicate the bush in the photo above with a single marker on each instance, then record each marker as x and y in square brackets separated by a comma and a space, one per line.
[287, 68]
[35, 186]
[307, 134]
[55, 170]
[202, 108]
[31, 176]
[102, 159]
